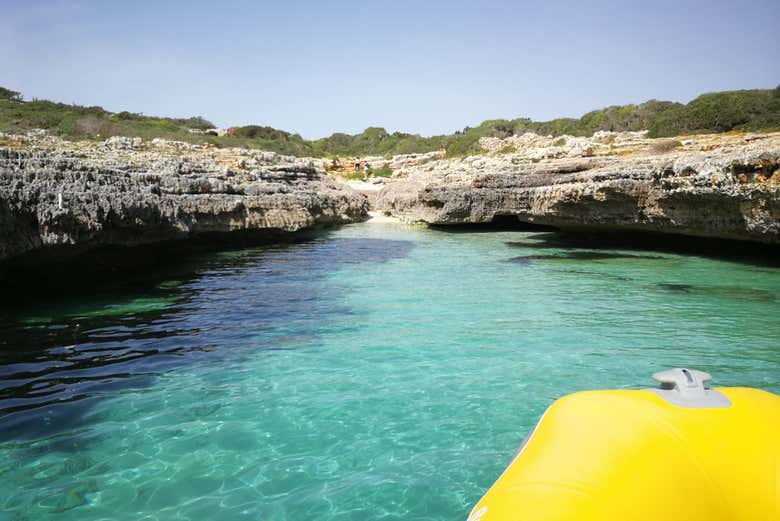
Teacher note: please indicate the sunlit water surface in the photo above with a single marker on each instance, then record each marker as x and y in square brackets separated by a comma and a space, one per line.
[376, 372]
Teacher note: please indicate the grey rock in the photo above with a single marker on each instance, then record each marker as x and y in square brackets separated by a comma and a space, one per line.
[123, 143]
[730, 192]
[126, 194]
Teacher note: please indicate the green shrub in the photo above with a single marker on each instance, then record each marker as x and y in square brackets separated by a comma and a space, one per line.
[385, 171]
[716, 112]
[128, 116]
[196, 122]
[664, 146]
[720, 112]
[355, 176]
[258, 132]
[10, 94]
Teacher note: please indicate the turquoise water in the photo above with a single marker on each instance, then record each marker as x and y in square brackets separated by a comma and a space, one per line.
[376, 372]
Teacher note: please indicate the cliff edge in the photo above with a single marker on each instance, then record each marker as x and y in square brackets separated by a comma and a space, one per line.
[724, 186]
[62, 196]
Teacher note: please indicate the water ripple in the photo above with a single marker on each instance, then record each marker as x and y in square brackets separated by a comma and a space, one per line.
[374, 373]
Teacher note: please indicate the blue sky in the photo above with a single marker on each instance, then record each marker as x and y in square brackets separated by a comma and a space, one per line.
[316, 67]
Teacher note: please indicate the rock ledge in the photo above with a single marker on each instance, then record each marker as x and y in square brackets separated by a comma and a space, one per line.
[125, 191]
[721, 186]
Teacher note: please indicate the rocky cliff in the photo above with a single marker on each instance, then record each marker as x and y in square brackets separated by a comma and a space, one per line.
[723, 186]
[57, 195]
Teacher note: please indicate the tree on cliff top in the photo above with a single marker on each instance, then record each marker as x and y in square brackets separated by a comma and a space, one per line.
[10, 94]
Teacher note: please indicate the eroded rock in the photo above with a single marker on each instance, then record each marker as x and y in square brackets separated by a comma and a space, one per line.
[710, 188]
[124, 192]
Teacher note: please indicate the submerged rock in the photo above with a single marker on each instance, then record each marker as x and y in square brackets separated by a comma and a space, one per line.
[582, 256]
[728, 292]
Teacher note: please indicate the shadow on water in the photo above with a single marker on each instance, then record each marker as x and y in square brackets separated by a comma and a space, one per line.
[580, 255]
[750, 253]
[601, 275]
[59, 355]
[67, 270]
[729, 292]
[571, 247]
[499, 224]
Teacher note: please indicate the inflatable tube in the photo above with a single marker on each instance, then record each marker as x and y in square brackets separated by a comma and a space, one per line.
[679, 452]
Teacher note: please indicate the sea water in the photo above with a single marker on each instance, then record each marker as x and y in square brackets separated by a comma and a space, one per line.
[373, 372]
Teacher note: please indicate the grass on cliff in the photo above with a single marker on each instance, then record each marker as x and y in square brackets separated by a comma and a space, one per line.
[79, 122]
[385, 171]
[741, 110]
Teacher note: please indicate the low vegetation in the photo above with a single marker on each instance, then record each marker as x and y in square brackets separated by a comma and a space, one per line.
[716, 112]
[664, 146]
[385, 171]
[354, 176]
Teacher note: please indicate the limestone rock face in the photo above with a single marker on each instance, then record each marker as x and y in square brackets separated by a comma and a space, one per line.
[128, 192]
[724, 187]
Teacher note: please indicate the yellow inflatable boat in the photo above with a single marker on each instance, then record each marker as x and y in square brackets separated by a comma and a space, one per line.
[679, 452]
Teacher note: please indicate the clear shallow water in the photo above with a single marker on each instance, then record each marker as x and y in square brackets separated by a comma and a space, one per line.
[377, 372]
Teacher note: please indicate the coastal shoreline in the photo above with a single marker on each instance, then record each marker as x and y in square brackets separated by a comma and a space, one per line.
[61, 198]
[113, 206]
[724, 186]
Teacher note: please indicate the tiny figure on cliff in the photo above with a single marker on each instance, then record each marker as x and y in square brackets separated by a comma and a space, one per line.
[335, 164]
[357, 165]
[366, 167]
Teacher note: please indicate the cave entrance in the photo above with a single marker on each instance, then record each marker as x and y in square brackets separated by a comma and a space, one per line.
[513, 222]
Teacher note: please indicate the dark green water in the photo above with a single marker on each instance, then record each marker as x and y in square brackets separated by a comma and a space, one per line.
[378, 372]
